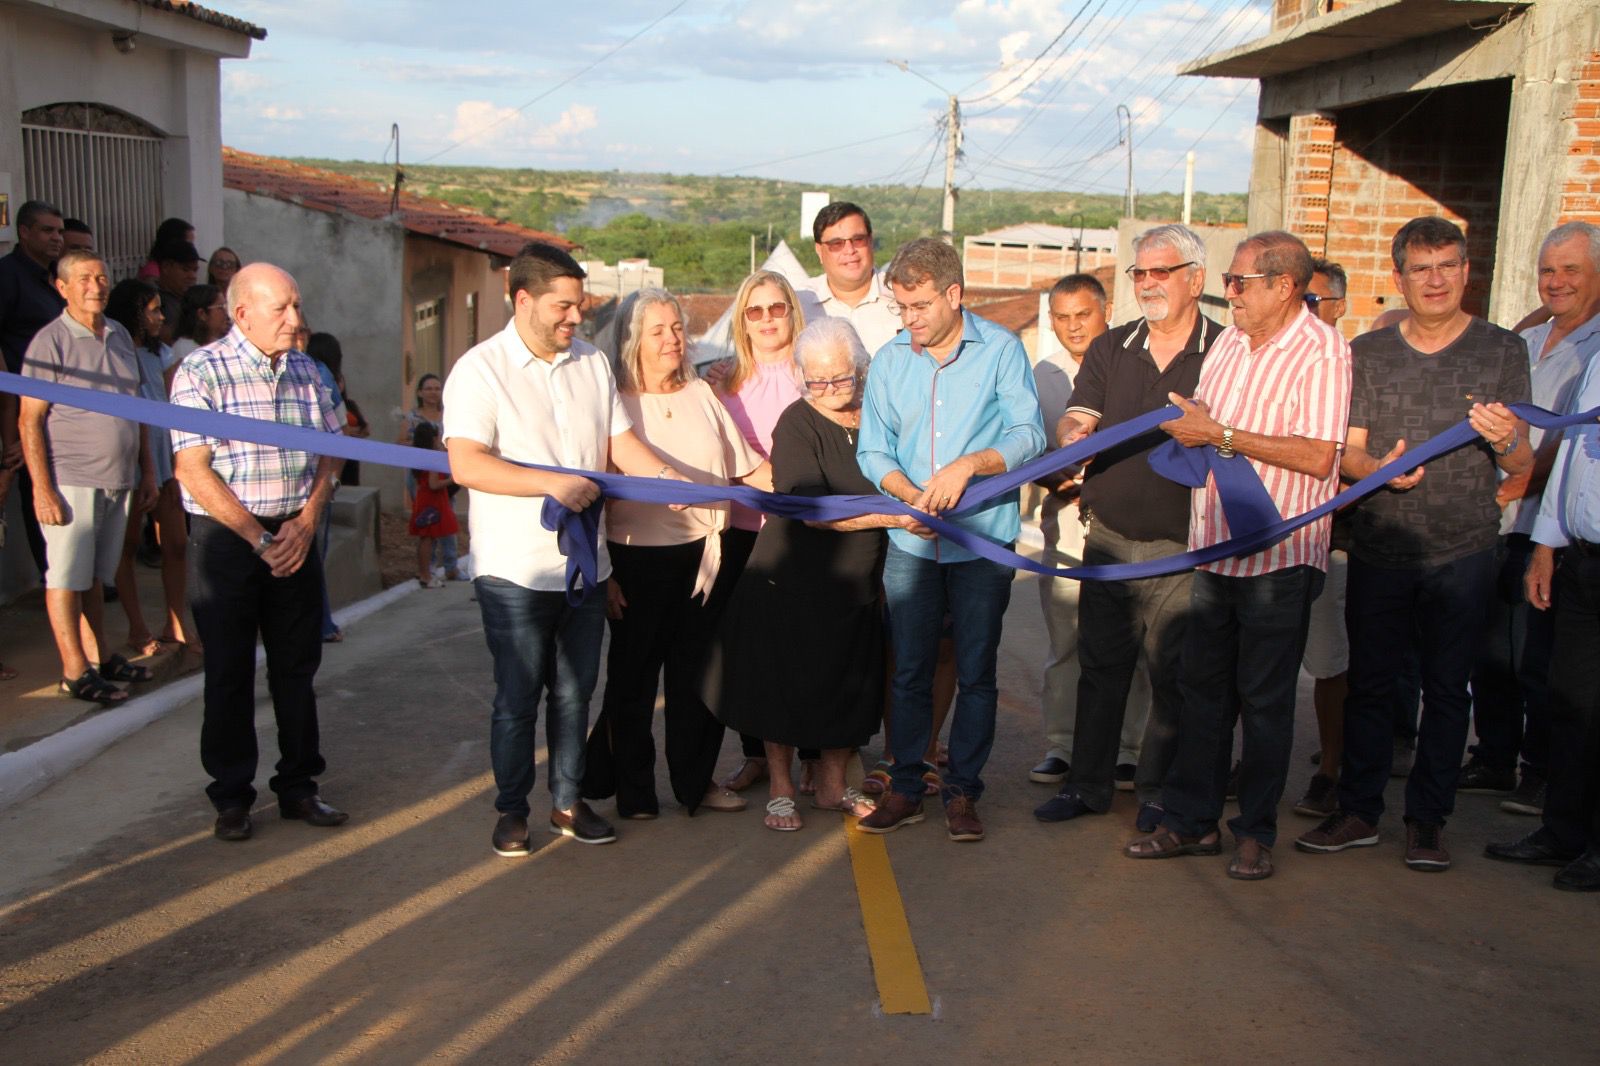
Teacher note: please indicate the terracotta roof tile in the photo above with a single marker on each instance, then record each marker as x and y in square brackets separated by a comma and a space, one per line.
[702, 309]
[1015, 313]
[207, 15]
[322, 190]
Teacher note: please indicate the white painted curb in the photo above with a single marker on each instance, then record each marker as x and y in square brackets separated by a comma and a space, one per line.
[26, 772]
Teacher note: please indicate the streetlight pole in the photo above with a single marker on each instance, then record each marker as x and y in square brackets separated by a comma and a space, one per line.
[952, 151]
[1122, 110]
[1077, 267]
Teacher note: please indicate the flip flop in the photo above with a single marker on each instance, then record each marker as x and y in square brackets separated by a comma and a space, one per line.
[781, 807]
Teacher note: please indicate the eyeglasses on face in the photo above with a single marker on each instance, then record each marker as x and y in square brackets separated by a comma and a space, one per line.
[1138, 274]
[838, 244]
[1236, 281]
[755, 312]
[838, 384]
[1448, 268]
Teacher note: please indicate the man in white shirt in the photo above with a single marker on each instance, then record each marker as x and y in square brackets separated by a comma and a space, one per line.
[533, 393]
[847, 287]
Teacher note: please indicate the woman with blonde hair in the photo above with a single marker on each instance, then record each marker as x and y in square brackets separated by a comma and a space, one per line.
[668, 584]
[757, 385]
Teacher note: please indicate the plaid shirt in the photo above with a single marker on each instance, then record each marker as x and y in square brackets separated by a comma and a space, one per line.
[232, 376]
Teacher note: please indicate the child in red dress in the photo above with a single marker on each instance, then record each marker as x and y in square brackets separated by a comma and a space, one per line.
[431, 513]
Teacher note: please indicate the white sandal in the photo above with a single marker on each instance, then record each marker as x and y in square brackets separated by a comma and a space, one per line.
[781, 807]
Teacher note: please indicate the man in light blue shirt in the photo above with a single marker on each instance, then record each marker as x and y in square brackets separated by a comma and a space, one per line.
[949, 399]
[1569, 520]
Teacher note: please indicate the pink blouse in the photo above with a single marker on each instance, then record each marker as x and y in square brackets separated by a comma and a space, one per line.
[755, 408]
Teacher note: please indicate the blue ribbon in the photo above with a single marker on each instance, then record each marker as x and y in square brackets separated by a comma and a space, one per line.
[1252, 517]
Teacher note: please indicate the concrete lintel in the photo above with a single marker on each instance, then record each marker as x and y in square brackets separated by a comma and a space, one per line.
[168, 28]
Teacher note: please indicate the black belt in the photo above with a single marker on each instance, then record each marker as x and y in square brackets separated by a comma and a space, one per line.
[1584, 548]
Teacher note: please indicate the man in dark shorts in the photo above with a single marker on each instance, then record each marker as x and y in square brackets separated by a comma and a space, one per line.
[1423, 549]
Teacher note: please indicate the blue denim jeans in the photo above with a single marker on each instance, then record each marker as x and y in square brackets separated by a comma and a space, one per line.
[920, 592]
[540, 644]
[1242, 649]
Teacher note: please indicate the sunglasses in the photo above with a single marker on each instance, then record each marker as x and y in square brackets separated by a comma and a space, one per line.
[860, 240]
[1156, 273]
[1236, 281]
[838, 384]
[755, 312]
[1313, 300]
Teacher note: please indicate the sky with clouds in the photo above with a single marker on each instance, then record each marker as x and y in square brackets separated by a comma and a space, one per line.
[797, 89]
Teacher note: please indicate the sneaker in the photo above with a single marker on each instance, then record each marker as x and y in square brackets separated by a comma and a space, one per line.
[1480, 778]
[894, 810]
[1405, 753]
[961, 819]
[1321, 798]
[582, 825]
[511, 836]
[1150, 817]
[1052, 771]
[1231, 792]
[1338, 831]
[1124, 776]
[1425, 847]
[1529, 796]
[1063, 806]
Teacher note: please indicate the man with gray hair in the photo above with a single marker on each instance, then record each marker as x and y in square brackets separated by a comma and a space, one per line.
[1133, 515]
[950, 399]
[1275, 389]
[1509, 682]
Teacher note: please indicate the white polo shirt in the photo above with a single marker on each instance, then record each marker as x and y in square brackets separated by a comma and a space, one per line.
[523, 409]
[876, 317]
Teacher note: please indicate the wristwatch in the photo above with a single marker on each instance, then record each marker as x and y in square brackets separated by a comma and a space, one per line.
[1509, 447]
[1225, 449]
[263, 542]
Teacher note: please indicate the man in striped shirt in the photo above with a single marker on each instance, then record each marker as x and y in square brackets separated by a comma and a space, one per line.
[1274, 389]
[255, 511]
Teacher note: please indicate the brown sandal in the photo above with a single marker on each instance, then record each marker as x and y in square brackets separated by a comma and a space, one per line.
[1166, 844]
[1252, 862]
[750, 773]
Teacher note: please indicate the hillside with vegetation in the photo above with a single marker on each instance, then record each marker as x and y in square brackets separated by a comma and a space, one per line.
[698, 228]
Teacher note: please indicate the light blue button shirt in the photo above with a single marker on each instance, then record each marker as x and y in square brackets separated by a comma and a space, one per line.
[1554, 376]
[1570, 507]
[918, 415]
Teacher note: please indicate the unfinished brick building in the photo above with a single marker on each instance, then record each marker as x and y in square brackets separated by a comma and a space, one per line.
[1376, 111]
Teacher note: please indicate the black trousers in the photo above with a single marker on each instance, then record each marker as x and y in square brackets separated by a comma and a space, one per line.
[662, 633]
[235, 599]
[1572, 804]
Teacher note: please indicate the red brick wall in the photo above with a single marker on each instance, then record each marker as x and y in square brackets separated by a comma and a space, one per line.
[1443, 158]
[1312, 138]
[1286, 13]
[1580, 193]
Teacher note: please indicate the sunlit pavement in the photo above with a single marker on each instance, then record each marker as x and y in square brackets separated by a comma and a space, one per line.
[129, 934]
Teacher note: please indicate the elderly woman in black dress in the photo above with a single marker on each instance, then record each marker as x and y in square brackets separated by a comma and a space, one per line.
[821, 686]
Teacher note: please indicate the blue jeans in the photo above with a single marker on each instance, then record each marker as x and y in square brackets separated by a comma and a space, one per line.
[540, 644]
[1440, 611]
[1242, 649]
[920, 592]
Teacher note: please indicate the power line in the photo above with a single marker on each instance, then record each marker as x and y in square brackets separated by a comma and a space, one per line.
[1031, 63]
[825, 151]
[564, 82]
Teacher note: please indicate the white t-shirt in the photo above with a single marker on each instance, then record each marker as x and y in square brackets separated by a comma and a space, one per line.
[876, 318]
[523, 409]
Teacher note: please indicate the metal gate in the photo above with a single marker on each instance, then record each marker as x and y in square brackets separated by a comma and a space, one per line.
[112, 181]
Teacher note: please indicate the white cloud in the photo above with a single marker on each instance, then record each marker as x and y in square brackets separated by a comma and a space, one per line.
[274, 113]
[482, 122]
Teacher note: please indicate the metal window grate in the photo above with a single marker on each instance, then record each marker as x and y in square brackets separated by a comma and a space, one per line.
[112, 181]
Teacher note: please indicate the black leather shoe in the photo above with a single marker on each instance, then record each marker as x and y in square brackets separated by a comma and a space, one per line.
[233, 824]
[1535, 849]
[1063, 806]
[312, 811]
[511, 836]
[582, 825]
[1581, 874]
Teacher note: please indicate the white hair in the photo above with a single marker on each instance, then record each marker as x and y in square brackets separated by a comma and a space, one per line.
[830, 336]
[1181, 239]
[1571, 231]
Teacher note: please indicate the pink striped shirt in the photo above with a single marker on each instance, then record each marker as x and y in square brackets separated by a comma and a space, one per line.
[1295, 385]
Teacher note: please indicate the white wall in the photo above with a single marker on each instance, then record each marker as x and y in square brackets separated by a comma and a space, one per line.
[349, 272]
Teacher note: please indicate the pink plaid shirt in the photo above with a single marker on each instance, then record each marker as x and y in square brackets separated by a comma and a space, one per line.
[1295, 385]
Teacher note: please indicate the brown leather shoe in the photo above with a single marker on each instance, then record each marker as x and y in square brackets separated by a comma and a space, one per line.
[582, 825]
[233, 824]
[894, 810]
[312, 811]
[961, 819]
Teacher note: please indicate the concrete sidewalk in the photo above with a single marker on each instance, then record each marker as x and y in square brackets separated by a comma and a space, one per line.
[127, 933]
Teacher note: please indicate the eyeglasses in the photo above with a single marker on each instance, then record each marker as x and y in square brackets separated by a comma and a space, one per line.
[838, 244]
[755, 312]
[1449, 268]
[919, 309]
[838, 384]
[1236, 281]
[1157, 273]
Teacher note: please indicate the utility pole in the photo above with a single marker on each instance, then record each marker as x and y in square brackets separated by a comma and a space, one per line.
[1077, 267]
[952, 148]
[1188, 188]
[1122, 110]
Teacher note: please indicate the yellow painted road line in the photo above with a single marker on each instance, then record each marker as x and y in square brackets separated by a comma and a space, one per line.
[901, 989]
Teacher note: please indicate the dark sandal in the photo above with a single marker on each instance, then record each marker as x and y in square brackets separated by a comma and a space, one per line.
[92, 688]
[1257, 870]
[6, 673]
[1165, 844]
[117, 668]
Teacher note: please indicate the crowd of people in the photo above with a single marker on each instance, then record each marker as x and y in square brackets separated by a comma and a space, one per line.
[1464, 592]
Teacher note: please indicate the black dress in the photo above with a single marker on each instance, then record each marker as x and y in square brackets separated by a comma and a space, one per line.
[799, 656]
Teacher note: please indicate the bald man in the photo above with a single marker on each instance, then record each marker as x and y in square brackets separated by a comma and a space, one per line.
[255, 511]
